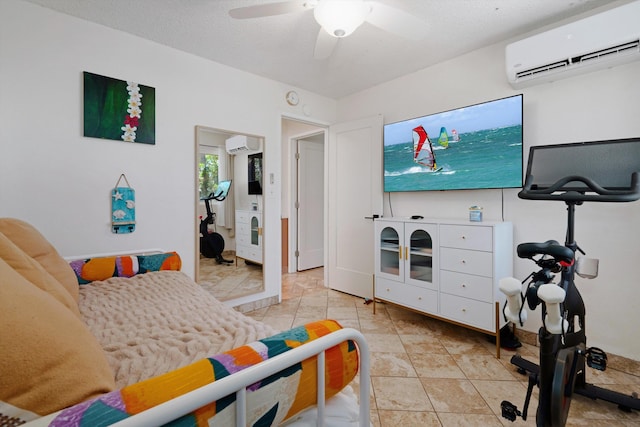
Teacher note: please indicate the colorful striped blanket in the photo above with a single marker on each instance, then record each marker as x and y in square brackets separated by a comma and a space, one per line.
[269, 402]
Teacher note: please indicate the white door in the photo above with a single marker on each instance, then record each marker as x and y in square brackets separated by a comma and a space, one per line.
[355, 194]
[310, 204]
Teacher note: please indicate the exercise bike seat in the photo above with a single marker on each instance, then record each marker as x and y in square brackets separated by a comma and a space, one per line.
[551, 247]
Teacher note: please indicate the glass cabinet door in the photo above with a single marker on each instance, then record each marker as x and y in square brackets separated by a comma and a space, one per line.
[390, 251]
[255, 231]
[420, 257]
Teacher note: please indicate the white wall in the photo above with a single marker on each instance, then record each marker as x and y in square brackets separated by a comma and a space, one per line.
[596, 106]
[53, 177]
[58, 180]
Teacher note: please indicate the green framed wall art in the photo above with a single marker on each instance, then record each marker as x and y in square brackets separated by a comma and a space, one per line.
[118, 109]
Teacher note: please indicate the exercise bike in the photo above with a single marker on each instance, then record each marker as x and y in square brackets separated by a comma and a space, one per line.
[212, 242]
[602, 171]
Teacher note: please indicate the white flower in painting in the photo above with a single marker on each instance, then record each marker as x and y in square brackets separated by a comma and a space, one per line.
[134, 111]
[131, 204]
[117, 195]
[132, 87]
[135, 95]
[129, 129]
[134, 103]
[129, 134]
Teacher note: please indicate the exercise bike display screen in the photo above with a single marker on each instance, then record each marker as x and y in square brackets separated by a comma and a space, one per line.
[608, 163]
[223, 190]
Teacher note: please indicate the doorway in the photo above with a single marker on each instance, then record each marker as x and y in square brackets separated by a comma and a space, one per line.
[352, 149]
[304, 191]
[309, 202]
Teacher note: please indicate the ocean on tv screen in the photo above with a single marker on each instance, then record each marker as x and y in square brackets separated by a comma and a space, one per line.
[474, 147]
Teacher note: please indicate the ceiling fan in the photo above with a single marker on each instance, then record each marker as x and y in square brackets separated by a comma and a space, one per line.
[340, 18]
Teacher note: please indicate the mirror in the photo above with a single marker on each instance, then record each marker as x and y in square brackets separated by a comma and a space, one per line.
[229, 227]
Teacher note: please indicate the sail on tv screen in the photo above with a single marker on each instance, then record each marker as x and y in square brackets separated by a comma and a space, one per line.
[474, 147]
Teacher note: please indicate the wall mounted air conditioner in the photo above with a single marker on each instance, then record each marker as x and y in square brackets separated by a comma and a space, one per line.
[240, 143]
[599, 41]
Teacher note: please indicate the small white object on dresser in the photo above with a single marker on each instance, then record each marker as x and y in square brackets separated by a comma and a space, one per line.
[445, 269]
[249, 235]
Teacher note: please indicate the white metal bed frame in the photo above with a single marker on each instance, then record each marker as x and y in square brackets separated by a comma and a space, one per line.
[239, 381]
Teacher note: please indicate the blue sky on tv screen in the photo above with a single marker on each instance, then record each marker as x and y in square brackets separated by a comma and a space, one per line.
[488, 115]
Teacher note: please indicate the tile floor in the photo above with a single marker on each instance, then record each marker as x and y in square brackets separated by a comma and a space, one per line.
[228, 281]
[427, 372]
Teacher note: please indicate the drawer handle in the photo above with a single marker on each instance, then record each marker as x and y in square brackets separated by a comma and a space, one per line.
[463, 237]
[387, 289]
[464, 310]
[419, 298]
[464, 262]
[464, 285]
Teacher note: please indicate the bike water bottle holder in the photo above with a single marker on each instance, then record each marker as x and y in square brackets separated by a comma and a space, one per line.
[596, 358]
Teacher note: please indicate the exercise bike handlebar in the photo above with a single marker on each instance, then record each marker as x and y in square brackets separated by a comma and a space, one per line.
[591, 192]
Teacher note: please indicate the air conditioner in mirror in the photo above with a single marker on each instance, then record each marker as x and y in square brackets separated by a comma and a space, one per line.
[240, 143]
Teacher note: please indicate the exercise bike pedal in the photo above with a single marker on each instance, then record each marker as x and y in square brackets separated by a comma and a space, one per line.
[509, 410]
[596, 358]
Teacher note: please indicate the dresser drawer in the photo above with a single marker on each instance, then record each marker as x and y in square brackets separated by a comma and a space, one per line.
[466, 261]
[243, 234]
[242, 217]
[472, 237]
[422, 299]
[467, 285]
[251, 253]
[468, 311]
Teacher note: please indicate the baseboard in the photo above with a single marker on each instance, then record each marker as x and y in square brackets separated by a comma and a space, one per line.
[256, 305]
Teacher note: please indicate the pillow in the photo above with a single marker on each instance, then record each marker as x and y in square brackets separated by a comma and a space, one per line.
[102, 268]
[31, 270]
[48, 358]
[30, 240]
[269, 401]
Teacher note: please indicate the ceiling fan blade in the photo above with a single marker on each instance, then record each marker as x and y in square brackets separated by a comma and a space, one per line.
[269, 9]
[396, 21]
[325, 43]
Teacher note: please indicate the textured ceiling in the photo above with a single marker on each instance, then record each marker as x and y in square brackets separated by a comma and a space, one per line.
[281, 47]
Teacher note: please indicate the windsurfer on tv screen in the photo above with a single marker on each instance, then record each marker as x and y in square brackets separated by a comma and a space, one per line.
[422, 149]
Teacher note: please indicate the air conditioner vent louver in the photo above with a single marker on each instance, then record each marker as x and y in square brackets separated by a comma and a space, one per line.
[543, 69]
[615, 50]
[596, 42]
[625, 48]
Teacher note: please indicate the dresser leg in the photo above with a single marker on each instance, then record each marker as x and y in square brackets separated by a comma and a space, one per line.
[497, 329]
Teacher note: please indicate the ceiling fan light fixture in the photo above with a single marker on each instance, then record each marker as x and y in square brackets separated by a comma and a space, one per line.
[341, 17]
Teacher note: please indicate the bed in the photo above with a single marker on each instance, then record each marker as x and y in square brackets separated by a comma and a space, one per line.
[151, 347]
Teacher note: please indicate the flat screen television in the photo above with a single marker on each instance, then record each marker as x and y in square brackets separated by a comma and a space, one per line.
[474, 147]
[255, 173]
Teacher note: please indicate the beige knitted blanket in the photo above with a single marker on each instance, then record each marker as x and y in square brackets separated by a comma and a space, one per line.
[156, 322]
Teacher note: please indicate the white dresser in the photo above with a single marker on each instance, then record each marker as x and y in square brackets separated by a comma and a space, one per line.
[249, 235]
[445, 269]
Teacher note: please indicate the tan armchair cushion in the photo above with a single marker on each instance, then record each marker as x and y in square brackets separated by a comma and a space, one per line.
[48, 358]
[31, 270]
[34, 244]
